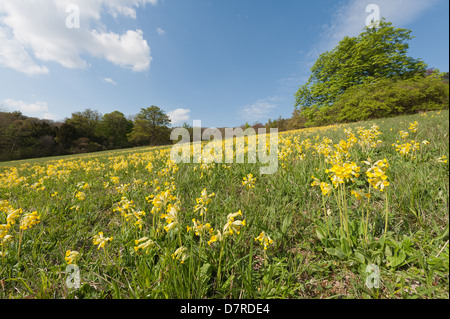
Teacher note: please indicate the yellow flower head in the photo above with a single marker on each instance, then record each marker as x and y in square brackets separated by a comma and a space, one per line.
[144, 243]
[264, 240]
[100, 240]
[249, 181]
[29, 220]
[180, 254]
[71, 257]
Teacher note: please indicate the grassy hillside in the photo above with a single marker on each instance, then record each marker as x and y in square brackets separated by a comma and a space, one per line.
[346, 202]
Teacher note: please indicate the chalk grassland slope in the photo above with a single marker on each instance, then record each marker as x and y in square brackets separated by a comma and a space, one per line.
[354, 211]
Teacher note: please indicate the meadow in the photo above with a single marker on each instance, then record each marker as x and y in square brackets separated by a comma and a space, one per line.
[354, 211]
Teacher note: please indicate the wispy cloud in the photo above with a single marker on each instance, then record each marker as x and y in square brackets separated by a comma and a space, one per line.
[259, 110]
[35, 32]
[179, 116]
[350, 19]
[36, 109]
[160, 31]
[111, 81]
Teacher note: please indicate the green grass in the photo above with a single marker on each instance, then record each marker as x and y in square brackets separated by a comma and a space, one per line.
[304, 261]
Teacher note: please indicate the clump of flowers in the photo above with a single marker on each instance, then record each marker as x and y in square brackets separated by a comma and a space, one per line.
[233, 226]
[180, 254]
[29, 220]
[376, 174]
[171, 217]
[203, 201]
[264, 239]
[342, 172]
[145, 243]
[71, 257]
[100, 240]
[249, 181]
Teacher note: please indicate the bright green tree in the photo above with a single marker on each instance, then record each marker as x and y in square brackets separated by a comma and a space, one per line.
[377, 53]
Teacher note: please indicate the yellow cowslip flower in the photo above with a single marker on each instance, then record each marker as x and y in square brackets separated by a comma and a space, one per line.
[325, 188]
[359, 195]
[80, 196]
[200, 229]
[71, 257]
[341, 172]
[180, 254]
[115, 179]
[376, 175]
[316, 182]
[404, 134]
[12, 214]
[217, 237]
[442, 159]
[233, 226]
[123, 188]
[29, 220]
[425, 142]
[146, 245]
[134, 216]
[203, 201]
[4, 230]
[100, 240]
[249, 181]
[406, 148]
[413, 126]
[264, 239]
[171, 217]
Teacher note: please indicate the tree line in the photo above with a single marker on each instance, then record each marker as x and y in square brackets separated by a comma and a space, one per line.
[87, 131]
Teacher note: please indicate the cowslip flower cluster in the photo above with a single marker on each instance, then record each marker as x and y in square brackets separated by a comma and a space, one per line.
[413, 127]
[249, 181]
[71, 257]
[324, 187]
[171, 216]
[100, 240]
[342, 172]
[407, 148]
[29, 220]
[233, 226]
[203, 201]
[264, 240]
[359, 194]
[145, 243]
[376, 174]
[199, 228]
[180, 254]
[126, 208]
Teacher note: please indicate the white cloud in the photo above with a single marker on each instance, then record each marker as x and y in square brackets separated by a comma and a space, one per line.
[259, 110]
[179, 116]
[111, 81]
[160, 31]
[36, 30]
[14, 55]
[36, 109]
[350, 19]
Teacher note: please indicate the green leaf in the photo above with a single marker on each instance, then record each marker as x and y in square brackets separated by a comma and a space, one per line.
[335, 252]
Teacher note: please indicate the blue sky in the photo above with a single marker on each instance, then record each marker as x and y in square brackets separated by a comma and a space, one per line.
[222, 62]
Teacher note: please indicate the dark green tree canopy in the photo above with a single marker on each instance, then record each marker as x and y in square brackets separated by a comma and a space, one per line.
[150, 127]
[377, 53]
